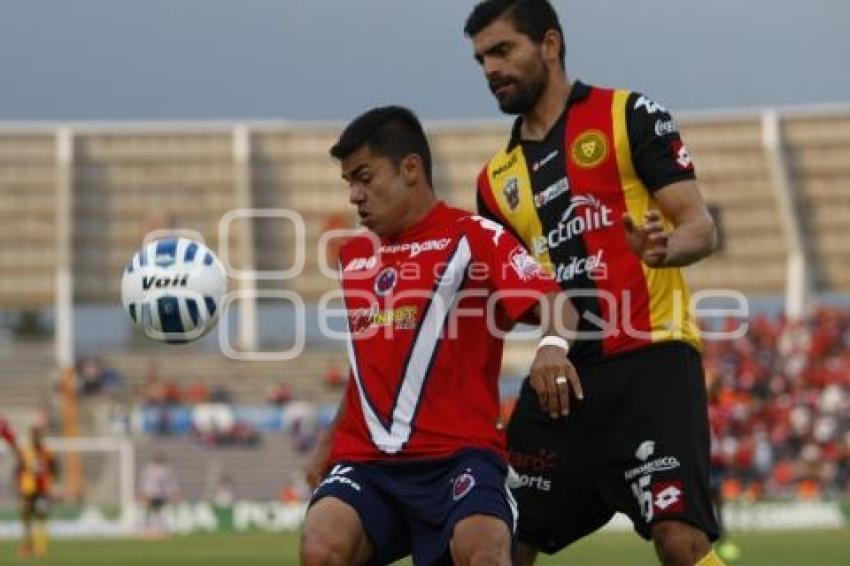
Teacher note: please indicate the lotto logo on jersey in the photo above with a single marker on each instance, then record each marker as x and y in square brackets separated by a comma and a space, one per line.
[683, 157]
[668, 497]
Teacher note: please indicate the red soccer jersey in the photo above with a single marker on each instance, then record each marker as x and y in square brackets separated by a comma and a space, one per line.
[424, 361]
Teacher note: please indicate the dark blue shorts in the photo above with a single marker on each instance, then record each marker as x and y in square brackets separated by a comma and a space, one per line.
[412, 507]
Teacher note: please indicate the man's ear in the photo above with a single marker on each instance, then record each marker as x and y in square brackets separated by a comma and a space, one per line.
[411, 168]
[551, 46]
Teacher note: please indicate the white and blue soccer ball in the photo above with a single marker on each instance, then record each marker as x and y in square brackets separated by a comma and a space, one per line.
[173, 289]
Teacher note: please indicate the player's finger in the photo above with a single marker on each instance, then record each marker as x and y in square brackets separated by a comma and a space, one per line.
[553, 407]
[542, 396]
[651, 216]
[629, 223]
[652, 227]
[659, 237]
[575, 383]
[563, 385]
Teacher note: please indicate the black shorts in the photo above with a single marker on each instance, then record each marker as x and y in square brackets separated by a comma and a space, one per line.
[638, 444]
[37, 505]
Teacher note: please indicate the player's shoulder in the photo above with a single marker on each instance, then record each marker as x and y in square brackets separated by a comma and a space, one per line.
[361, 245]
[480, 230]
[641, 105]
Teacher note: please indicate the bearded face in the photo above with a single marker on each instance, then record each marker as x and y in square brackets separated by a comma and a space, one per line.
[518, 91]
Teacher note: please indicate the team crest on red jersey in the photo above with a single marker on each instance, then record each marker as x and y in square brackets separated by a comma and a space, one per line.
[386, 281]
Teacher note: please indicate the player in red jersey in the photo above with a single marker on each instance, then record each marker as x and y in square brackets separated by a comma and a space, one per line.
[419, 464]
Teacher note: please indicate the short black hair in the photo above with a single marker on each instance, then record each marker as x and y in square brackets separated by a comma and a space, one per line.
[532, 18]
[391, 131]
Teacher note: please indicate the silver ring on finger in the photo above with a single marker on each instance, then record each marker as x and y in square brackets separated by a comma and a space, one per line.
[560, 380]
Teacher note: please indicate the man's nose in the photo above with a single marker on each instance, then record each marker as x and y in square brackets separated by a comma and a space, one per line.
[492, 68]
[356, 194]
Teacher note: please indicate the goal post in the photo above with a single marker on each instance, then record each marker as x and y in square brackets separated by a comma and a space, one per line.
[108, 486]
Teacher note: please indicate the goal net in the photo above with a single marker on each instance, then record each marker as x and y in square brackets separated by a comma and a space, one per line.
[102, 503]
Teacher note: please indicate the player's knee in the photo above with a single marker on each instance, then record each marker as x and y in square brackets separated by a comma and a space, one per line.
[332, 535]
[317, 550]
[679, 543]
[481, 541]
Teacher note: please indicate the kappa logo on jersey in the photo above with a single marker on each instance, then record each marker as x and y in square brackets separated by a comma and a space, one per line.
[648, 105]
[361, 264]
[537, 165]
[683, 157]
[665, 127]
[525, 266]
[589, 149]
[462, 485]
[667, 497]
[511, 192]
[491, 226]
[552, 192]
[595, 216]
[386, 281]
[416, 248]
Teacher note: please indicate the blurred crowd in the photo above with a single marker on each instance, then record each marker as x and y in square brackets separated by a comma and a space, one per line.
[780, 408]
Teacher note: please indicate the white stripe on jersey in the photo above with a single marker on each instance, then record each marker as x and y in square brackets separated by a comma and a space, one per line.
[430, 328]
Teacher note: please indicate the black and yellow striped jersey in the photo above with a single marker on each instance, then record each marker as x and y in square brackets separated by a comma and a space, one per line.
[564, 198]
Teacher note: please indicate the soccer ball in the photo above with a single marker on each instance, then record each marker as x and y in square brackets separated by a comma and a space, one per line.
[173, 289]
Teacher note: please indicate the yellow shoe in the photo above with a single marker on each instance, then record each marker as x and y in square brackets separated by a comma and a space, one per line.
[729, 551]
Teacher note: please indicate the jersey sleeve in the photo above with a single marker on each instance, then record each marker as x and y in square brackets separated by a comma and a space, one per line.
[510, 269]
[659, 155]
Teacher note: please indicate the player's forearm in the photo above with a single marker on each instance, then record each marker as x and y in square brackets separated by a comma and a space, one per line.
[559, 316]
[691, 241]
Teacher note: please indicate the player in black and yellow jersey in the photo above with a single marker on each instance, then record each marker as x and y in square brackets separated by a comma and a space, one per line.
[599, 186]
[35, 472]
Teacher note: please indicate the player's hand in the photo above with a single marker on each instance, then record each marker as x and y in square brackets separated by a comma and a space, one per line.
[649, 240]
[553, 377]
[6, 432]
[317, 464]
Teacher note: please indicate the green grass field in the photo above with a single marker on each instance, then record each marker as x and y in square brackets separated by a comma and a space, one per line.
[816, 548]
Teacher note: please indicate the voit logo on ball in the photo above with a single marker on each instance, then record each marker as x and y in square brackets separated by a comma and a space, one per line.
[173, 289]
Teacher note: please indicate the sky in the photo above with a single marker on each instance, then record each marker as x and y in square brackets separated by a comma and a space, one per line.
[328, 60]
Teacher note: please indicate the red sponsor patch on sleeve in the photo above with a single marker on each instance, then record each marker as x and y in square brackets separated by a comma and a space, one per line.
[668, 497]
[682, 156]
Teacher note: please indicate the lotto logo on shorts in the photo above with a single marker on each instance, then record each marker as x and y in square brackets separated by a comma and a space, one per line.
[668, 497]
